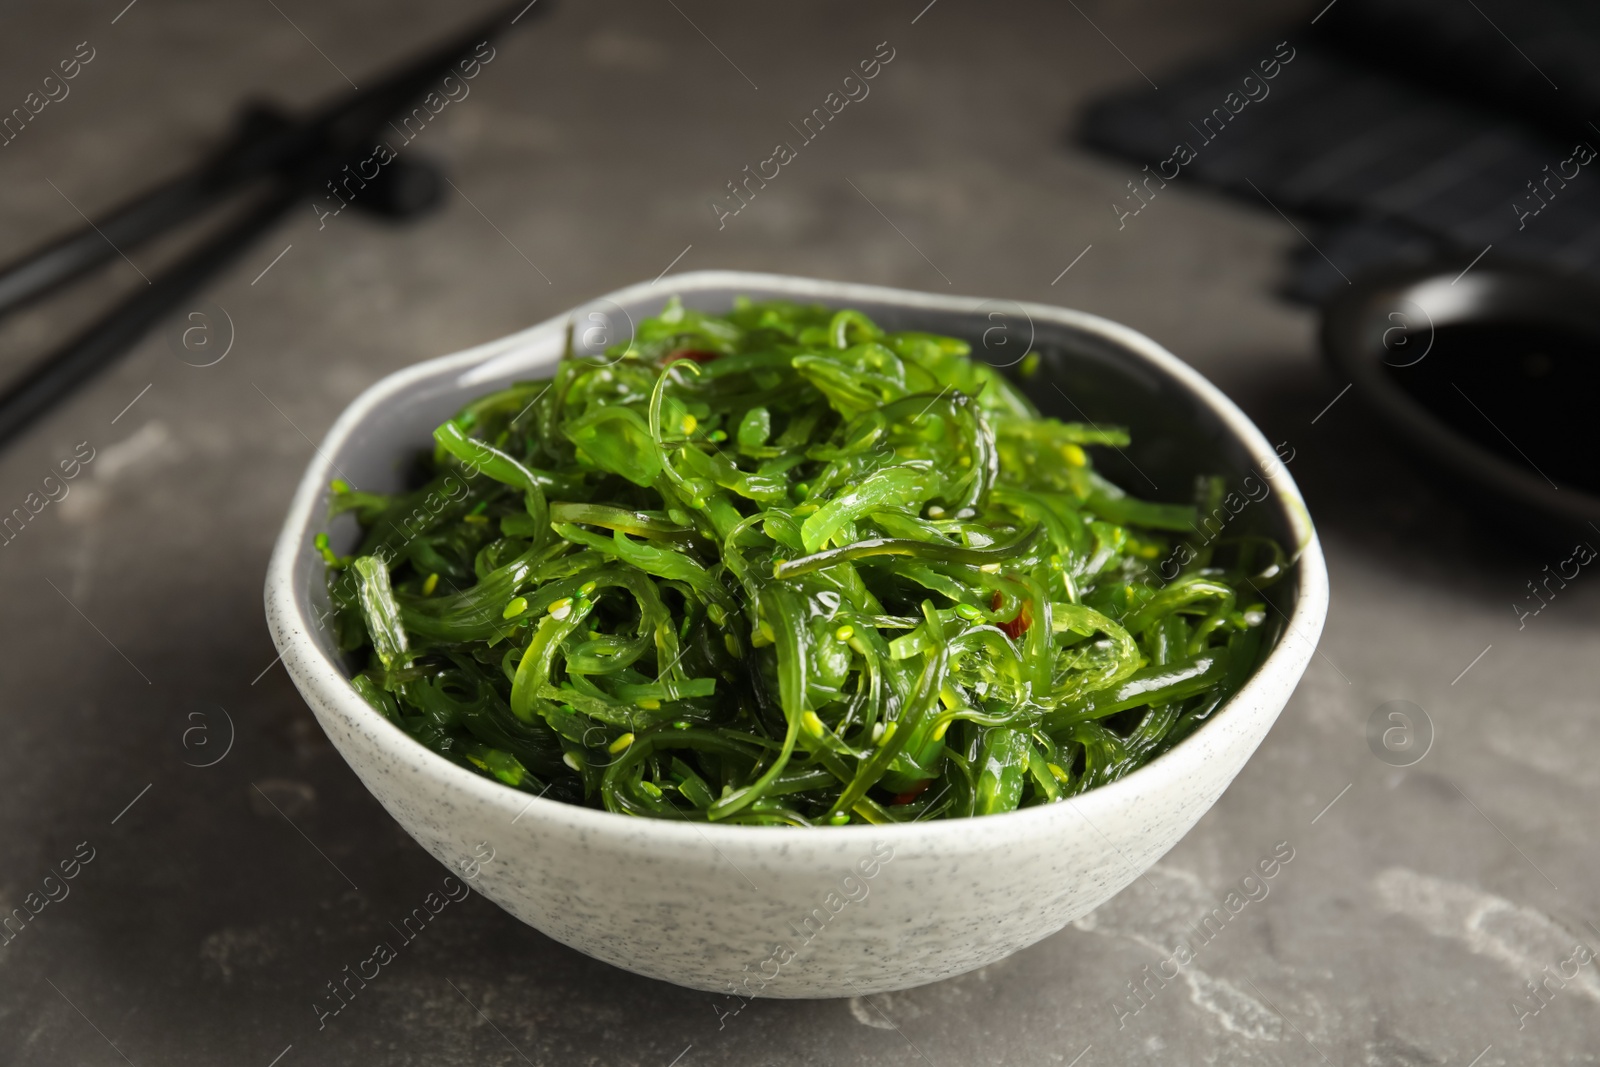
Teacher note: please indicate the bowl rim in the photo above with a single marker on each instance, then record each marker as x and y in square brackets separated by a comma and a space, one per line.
[317, 674]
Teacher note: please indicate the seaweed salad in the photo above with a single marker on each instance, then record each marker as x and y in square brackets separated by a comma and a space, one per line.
[781, 566]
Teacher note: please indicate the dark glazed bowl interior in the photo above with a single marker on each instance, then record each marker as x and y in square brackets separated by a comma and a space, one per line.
[1491, 374]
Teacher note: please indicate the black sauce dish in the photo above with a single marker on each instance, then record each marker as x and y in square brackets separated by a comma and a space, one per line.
[1491, 374]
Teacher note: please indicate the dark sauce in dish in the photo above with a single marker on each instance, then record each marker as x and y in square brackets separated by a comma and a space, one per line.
[1525, 391]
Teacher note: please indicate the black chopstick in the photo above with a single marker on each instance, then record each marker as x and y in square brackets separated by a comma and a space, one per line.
[80, 358]
[266, 146]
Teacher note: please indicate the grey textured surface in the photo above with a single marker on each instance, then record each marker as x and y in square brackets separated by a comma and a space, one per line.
[1414, 909]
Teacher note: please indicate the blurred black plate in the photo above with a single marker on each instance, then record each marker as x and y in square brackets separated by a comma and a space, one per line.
[1491, 373]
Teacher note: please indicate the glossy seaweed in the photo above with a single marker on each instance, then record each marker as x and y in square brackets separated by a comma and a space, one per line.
[783, 567]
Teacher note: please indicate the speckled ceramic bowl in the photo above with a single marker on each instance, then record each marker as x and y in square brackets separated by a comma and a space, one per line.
[824, 912]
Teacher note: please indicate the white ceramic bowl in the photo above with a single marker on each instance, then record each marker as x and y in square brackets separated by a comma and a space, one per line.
[827, 911]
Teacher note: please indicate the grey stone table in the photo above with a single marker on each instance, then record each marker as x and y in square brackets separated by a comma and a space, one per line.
[211, 904]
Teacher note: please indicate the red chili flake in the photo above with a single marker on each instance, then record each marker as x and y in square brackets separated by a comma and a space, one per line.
[1017, 626]
[699, 355]
[913, 793]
